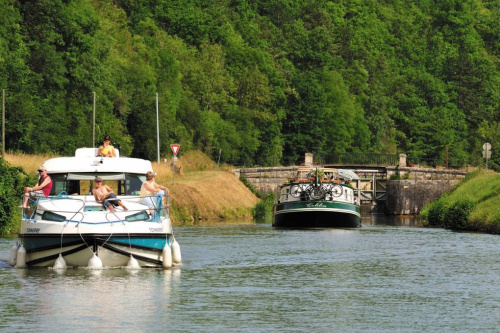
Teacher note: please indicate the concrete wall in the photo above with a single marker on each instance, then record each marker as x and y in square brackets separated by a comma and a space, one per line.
[267, 180]
[407, 197]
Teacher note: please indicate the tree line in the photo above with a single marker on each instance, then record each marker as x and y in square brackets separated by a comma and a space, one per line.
[263, 81]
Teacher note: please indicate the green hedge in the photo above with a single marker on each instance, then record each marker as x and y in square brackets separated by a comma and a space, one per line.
[11, 188]
[450, 215]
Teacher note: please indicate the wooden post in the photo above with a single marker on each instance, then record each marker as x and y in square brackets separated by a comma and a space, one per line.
[93, 120]
[446, 157]
[3, 122]
[158, 132]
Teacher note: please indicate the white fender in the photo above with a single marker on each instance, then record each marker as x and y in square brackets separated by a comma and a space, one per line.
[167, 257]
[176, 252]
[21, 257]
[95, 262]
[60, 263]
[13, 254]
[133, 263]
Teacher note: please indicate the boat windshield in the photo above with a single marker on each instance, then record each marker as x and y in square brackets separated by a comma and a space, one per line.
[82, 183]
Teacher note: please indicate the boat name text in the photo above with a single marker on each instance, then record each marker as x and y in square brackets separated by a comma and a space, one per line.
[33, 230]
[317, 205]
[155, 229]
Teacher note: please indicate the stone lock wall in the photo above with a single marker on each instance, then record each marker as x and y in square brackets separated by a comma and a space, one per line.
[413, 189]
[267, 180]
[408, 197]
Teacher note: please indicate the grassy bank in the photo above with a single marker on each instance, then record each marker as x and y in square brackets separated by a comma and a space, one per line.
[472, 205]
[200, 192]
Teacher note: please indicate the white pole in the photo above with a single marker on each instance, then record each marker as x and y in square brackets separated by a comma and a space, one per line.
[93, 120]
[157, 129]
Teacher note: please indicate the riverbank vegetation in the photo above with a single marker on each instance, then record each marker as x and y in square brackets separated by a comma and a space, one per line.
[472, 205]
[254, 82]
[202, 191]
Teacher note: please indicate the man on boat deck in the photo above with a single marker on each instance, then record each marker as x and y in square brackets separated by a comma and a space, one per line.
[106, 195]
[40, 190]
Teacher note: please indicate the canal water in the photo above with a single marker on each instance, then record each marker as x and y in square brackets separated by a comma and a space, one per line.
[388, 276]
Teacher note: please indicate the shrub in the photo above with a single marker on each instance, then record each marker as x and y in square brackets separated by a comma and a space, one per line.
[263, 210]
[436, 214]
[457, 215]
[11, 188]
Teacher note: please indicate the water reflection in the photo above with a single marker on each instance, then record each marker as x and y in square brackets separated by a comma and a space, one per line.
[391, 220]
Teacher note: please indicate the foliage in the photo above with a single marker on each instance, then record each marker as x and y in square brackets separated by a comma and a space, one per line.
[263, 210]
[457, 215]
[435, 213]
[259, 82]
[11, 184]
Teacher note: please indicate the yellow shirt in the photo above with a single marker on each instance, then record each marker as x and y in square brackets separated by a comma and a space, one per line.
[107, 150]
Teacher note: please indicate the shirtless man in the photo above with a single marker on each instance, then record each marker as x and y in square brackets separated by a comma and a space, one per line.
[106, 195]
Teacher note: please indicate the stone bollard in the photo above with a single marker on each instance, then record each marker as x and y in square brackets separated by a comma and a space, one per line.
[402, 160]
[308, 159]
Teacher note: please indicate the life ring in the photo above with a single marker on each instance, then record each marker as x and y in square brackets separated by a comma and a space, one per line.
[337, 191]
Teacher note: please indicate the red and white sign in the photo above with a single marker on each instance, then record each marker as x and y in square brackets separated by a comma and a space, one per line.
[175, 149]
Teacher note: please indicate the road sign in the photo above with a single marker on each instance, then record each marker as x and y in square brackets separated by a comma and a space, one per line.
[486, 153]
[487, 146]
[175, 149]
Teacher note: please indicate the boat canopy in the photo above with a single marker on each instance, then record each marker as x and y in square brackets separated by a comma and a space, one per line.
[85, 161]
[91, 176]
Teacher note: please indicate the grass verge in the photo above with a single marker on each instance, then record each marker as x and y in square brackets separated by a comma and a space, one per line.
[472, 205]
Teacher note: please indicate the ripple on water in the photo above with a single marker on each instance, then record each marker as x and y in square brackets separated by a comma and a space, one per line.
[252, 277]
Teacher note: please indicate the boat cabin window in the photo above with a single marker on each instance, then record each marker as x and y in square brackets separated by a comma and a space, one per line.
[81, 184]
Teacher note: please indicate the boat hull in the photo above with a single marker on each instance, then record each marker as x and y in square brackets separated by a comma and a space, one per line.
[114, 251]
[316, 214]
[113, 242]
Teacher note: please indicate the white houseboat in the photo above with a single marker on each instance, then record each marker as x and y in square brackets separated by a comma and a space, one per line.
[69, 228]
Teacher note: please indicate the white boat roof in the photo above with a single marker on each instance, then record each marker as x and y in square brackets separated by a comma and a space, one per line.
[86, 161]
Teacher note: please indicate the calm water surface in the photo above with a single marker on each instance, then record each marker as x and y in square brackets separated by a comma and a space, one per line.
[388, 276]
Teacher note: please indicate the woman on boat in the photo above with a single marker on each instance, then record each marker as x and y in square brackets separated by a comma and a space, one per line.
[106, 150]
[40, 190]
[150, 191]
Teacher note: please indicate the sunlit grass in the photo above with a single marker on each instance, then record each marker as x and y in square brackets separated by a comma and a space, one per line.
[483, 189]
[30, 163]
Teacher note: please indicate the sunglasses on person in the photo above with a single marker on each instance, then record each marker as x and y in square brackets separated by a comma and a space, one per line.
[98, 181]
[41, 170]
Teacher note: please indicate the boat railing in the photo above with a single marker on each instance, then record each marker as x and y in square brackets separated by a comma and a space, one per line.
[29, 213]
[314, 190]
[88, 204]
